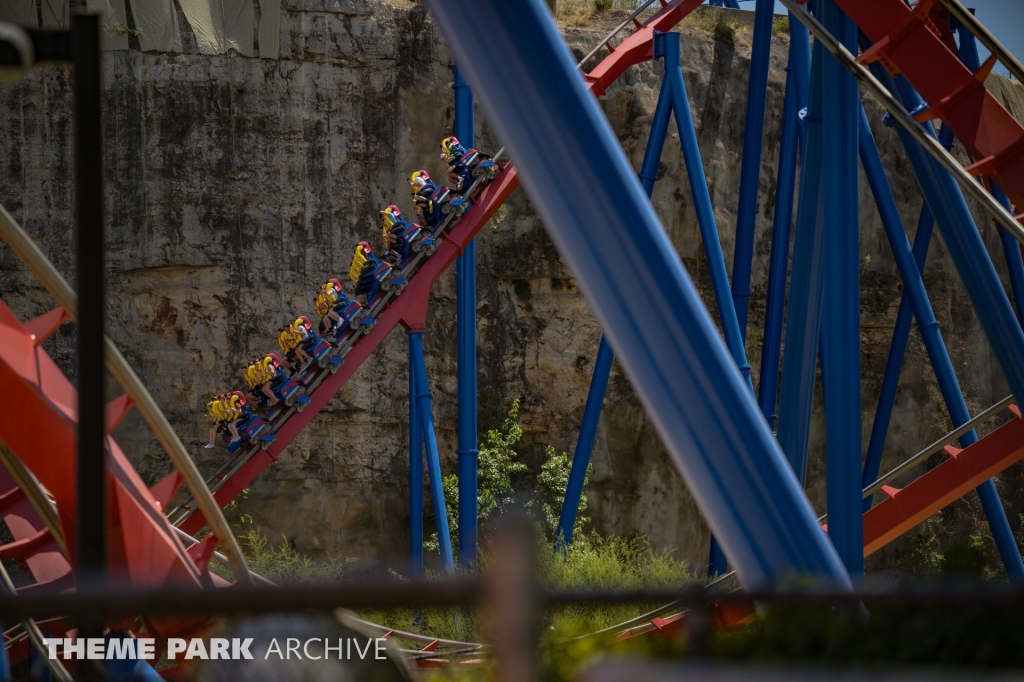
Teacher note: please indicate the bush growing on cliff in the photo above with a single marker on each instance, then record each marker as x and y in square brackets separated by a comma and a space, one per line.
[502, 480]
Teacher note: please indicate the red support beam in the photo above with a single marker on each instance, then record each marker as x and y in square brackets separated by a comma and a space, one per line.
[964, 471]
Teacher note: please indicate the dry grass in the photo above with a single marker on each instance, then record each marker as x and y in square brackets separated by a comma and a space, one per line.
[713, 24]
[592, 13]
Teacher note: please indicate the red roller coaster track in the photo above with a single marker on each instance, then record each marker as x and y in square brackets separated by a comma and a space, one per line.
[908, 41]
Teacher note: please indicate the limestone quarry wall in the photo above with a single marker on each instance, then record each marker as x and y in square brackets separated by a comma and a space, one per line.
[235, 185]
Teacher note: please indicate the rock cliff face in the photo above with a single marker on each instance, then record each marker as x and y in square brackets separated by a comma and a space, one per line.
[236, 185]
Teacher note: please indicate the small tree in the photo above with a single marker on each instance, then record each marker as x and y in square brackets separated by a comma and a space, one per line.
[552, 484]
[500, 476]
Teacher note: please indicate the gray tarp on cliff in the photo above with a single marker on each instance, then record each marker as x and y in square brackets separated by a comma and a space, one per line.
[159, 24]
[55, 14]
[221, 24]
[112, 14]
[270, 29]
[21, 12]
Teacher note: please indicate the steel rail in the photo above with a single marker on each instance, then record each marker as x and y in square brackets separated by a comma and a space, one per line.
[37, 497]
[901, 116]
[54, 282]
[931, 449]
[936, 446]
[985, 37]
[33, 632]
[646, 618]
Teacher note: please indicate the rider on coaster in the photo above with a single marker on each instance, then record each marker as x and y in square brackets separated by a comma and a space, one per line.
[452, 153]
[226, 411]
[338, 313]
[258, 377]
[428, 212]
[465, 166]
[393, 226]
[290, 340]
[323, 305]
[371, 274]
[402, 239]
[304, 327]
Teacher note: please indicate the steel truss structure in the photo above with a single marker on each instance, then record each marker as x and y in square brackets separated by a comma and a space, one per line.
[742, 449]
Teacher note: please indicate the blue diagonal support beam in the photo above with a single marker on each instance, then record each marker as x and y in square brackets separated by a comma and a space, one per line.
[672, 98]
[928, 326]
[415, 467]
[465, 341]
[965, 246]
[750, 165]
[803, 320]
[426, 419]
[841, 302]
[778, 262]
[525, 79]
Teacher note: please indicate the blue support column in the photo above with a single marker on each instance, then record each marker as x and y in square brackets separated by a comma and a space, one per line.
[415, 464]
[841, 303]
[672, 97]
[910, 272]
[800, 60]
[750, 169]
[898, 346]
[775, 305]
[465, 287]
[803, 320]
[1011, 249]
[635, 283]
[894, 363]
[666, 45]
[426, 416]
[584, 444]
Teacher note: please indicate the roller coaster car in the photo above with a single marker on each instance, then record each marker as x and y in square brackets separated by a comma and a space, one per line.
[280, 408]
[404, 239]
[473, 166]
[307, 376]
[450, 203]
[251, 431]
[353, 316]
[415, 239]
[286, 389]
[373, 277]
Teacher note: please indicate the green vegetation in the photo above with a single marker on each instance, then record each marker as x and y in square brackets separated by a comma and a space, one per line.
[502, 480]
[712, 24]
[592, 562]
[780, 26]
